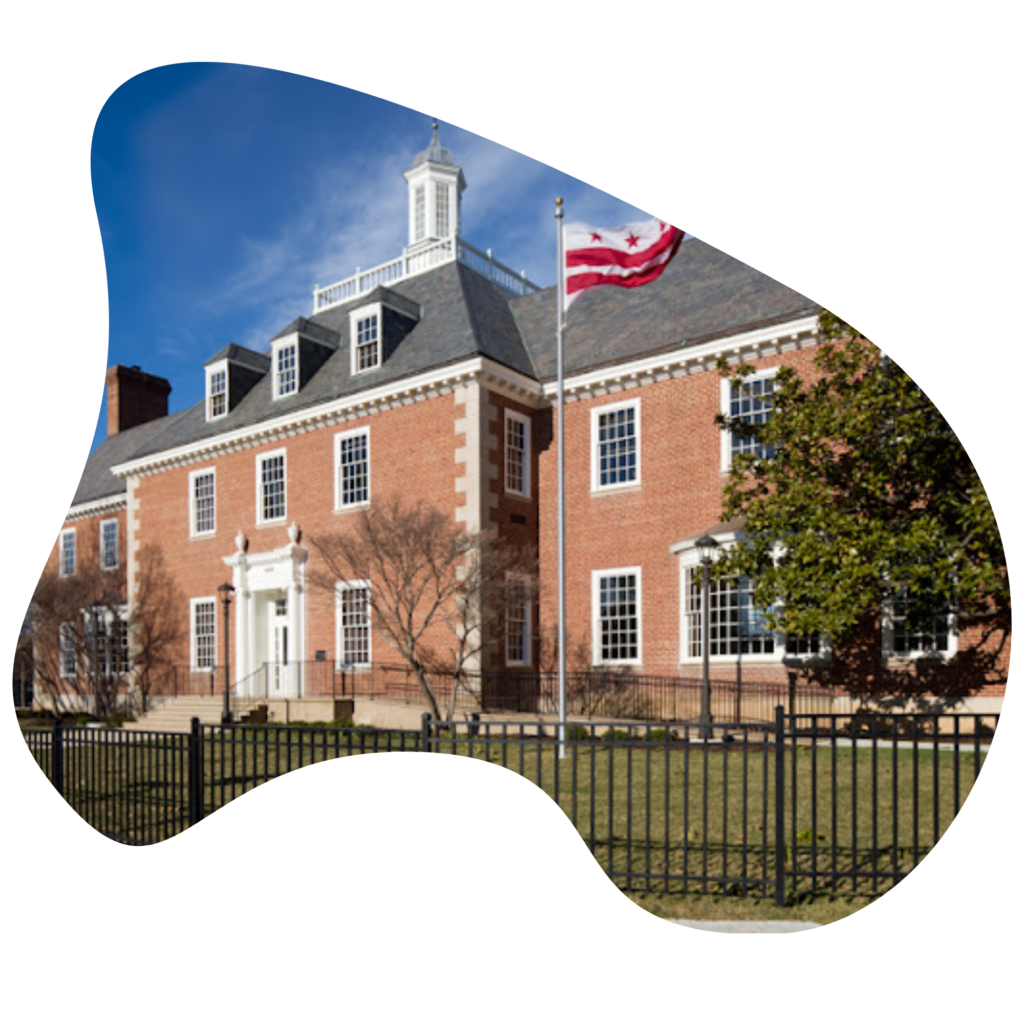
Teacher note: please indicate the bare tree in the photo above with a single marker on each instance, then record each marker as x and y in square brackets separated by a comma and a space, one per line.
[78, 632]
[156, 624]
[437, 594]
[23, 663]
[86, 642]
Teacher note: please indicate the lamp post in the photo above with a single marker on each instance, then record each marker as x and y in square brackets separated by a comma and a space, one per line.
[706, 547]
[226, 590]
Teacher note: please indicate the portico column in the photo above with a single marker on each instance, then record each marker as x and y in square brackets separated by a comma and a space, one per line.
[295, 635]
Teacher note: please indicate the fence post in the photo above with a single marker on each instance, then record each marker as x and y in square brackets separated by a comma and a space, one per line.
[56, 820]
[780, 816]
[195, 773]
[425, 896]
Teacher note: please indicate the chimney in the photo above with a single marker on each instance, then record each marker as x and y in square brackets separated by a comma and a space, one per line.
[134, 397]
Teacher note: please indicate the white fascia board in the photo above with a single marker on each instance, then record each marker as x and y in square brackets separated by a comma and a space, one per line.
[666, 361]
[328, 412]
[92, 508]
[931, 354]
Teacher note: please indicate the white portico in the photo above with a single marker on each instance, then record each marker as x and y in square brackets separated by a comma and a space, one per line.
[270, 618]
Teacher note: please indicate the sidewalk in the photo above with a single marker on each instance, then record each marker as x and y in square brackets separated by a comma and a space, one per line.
[749, 926]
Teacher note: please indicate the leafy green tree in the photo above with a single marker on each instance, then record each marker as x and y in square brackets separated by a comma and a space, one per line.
[856, 489]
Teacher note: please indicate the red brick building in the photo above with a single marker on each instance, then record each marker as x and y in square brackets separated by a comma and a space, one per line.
[432, 377]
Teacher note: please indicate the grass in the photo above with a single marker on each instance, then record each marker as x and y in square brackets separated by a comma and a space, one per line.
[687, 830]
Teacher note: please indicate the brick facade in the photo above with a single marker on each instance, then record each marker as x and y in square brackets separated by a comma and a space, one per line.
[458, 358]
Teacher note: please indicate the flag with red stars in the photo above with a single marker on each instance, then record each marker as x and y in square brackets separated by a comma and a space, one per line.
[626, 257]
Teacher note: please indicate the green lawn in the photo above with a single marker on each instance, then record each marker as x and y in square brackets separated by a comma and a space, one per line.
[686, 829]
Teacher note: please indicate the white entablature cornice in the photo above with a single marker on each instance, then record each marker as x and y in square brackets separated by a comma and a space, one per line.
[367, 403]
[737, 348]
[113, 503]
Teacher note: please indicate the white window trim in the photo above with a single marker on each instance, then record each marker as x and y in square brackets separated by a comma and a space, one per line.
[595, 460]
[275, 346]
[260, 459]
[943, 654]
[117, 546]
[339, 505]
[372, 309]
[595, 616]
[340, 588]
[70, 531]
[527, 585]
[61, 631]
[511, 414]
[192, 633]
[111, 617]
[689, 558]
[192, 477]
[724, 401]
[221, 367]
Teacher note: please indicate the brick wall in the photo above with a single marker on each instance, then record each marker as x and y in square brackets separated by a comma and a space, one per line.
[411, 454]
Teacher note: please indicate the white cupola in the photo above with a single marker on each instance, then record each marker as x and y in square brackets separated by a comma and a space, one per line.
[436, 185]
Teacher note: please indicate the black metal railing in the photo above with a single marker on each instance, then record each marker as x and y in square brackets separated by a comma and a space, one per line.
[808, 803]
[597, 695]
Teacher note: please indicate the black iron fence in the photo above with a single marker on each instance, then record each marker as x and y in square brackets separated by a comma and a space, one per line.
[809, 803]
[598, 695]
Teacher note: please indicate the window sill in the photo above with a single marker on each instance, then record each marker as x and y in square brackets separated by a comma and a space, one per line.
[599, 492]
[346, 509]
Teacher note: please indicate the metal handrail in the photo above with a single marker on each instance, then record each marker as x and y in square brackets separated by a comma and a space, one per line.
[242, 704]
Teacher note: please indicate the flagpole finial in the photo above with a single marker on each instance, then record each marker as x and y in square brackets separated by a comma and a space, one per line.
[558, 208]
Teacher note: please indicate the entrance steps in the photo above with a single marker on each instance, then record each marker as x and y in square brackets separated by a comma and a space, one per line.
[175, 714]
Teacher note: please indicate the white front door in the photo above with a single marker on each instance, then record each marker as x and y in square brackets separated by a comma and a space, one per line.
[278, 653]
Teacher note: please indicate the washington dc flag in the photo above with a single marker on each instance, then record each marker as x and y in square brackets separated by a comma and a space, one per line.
[625, 257]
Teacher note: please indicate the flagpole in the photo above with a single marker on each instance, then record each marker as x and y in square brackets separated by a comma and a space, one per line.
[561, 482]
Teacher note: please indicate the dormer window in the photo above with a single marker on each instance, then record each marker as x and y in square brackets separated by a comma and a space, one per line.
[286, 370]
[366, 343]
[216, 391]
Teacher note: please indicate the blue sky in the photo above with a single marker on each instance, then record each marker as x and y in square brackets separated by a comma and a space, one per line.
[163, 209]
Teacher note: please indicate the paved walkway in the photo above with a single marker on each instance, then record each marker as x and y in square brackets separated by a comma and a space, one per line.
[749, 926]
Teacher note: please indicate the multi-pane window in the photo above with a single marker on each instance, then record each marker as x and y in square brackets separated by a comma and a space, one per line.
[108, 544]
[441, 213]
[517, 454]
[750, 401]
[804, 646]
[517, 622]
[354, 624]
[67, 553]
[218, 393]
[107, 633]
[419, 212]
[204, 634]
[735, 626]
[617, 616]
[353, 468]
[270, 480]
[287, 376]
[68, 660]
[367, 353]
[616, 445]
[908, 639]
[203, 485]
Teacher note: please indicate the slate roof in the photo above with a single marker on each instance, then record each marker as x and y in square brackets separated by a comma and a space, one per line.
[309, 329]
[97, 481]
[703, 294]
[463, 315]
[244, 356]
